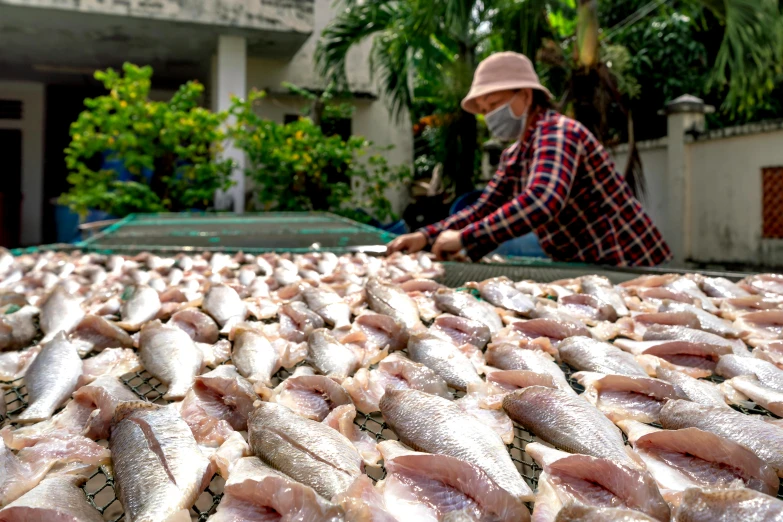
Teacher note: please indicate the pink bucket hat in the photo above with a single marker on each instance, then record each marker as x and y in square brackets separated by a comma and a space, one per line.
[500, 72]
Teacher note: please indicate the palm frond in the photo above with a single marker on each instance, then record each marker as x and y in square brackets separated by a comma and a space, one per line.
[355, 23]
[750, 58]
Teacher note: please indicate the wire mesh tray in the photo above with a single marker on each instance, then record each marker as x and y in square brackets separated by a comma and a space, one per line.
[99, 489]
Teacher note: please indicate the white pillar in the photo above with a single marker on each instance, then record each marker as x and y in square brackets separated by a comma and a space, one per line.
[230, 79]
[684, 115]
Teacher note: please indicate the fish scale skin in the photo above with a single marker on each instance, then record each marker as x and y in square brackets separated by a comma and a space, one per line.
[762, 438]
[159, 469]
[566, 421]
[437, 425]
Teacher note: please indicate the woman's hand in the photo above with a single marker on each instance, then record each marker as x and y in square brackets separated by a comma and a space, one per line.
[409, 243]
[449, 242]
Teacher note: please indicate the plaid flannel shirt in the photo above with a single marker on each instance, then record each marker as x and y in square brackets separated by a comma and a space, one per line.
[559, 181]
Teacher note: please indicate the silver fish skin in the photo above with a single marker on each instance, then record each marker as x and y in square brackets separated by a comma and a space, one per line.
[768, 374]
[461, 330]
[721, 287]
[391, 300]
[500, 291]
[142, 306]
[254, 356]
[170, 355]
[567, 422]
[587, 354]
[727, 505]
[158, 467]
[689, 287]
[707, 321]
[307, 451]
[508, 356]
[51, 378]
[464, 304]
[603, 289]
[329, 305]
[436, 425]
[696, 390]
[330, 356]
[224, 304]
[762, 438]
[17, 330]
[662, 332]
[443, 358]
[61, 311]
[55, 498]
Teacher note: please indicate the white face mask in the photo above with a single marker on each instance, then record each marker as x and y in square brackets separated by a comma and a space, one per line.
[503, 124]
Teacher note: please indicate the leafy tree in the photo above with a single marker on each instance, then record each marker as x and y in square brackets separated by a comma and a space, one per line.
[297, 166]
[424, 54]
[169, 149]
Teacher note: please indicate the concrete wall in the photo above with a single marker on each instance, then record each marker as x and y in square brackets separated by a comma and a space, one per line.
[722, 221]
[271, 15]
[727, 197]
[654, 158]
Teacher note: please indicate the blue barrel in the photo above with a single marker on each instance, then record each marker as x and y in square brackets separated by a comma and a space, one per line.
[398, 227]
[67, 223]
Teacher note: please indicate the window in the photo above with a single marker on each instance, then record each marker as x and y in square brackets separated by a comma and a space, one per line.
[772, 202]
[10, 109]
[339, 126]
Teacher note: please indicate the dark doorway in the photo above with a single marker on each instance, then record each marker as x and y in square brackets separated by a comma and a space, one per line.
[11, 187]
[63, 105]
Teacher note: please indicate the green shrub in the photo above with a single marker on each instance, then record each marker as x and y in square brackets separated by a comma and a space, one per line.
[296, 167]
[175, 141]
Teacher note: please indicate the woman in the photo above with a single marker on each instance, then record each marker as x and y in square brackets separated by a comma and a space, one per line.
[555, 179]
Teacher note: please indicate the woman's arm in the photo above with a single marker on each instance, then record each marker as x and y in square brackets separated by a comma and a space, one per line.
[551, 175]
[490, 200]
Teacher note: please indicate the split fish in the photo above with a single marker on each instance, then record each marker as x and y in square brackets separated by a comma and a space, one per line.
[690, 457]
[142, 305]
[51, 378]
[61, 312]
[444, 358]
[762, 438]
[255, 490]
[431, 487]
[588, 354]
[464, 304]
[158, 467]
[436, 425]
[367, 387]
[170, 355]
[307, 451]
[592, 481]
[567, 422]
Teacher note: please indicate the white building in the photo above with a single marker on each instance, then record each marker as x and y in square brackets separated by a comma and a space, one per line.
[49, 50]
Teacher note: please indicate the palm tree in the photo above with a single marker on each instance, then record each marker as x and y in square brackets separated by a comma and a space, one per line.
[424, 49]
[414, 40]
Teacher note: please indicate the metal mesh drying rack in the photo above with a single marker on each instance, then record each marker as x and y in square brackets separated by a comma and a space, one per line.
[99, 489]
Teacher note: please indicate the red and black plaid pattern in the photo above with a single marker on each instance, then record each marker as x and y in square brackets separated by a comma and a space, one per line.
[559, 181]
